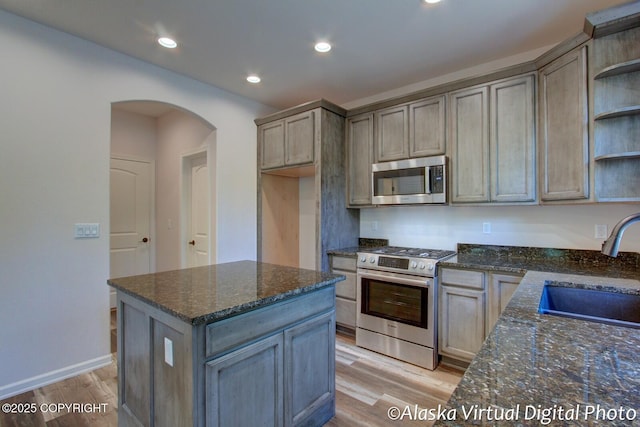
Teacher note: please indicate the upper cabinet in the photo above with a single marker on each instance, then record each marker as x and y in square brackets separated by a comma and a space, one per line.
[411, 130]
[492, 142]
[563, 136]
[288, 142]
[359, 159]
[615, 74]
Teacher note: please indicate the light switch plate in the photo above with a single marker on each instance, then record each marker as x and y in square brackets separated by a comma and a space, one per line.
[486, 227]
[86, 230]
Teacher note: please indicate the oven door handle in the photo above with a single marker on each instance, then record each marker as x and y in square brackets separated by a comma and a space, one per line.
[401, 279]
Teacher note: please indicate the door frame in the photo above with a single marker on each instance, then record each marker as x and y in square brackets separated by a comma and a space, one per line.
[152, 210]
[185, 200]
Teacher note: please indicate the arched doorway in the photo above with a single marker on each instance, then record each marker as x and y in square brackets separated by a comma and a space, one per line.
[163, 189]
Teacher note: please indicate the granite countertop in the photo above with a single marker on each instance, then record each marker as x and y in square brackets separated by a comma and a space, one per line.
[203, 294]
[519, 260]
[536, 369]
[364, 244]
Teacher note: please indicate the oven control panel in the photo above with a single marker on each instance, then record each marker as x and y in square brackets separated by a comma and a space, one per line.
[416, 266]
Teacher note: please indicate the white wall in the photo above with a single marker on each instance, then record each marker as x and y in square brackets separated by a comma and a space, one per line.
[442, 227]
[55, 113]
[178, 134]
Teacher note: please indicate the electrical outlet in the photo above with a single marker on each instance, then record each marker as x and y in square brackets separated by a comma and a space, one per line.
[486, 227]
[600, 231]
[168, 351]
[374, 225]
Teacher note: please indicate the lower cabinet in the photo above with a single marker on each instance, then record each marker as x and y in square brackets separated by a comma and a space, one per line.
[271, 366]
[470, 302]
[345, 291]
[292, 369]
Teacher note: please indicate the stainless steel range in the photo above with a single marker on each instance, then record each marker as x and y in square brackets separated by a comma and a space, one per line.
[397, 303]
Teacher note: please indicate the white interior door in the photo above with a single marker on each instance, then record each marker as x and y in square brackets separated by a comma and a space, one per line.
[198, 205]
[130, 218]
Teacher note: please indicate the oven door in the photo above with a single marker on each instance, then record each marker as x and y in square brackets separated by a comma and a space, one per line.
[397, 305]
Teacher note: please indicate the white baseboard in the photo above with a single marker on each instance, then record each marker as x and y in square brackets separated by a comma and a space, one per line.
[53, 376]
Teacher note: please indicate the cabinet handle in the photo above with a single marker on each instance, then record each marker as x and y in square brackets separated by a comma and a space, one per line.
[145, 239]
[192, 243]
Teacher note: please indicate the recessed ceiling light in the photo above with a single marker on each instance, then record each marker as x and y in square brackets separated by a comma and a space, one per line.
[167, 42]
[432, 1]
[322, 47]
[253, 78]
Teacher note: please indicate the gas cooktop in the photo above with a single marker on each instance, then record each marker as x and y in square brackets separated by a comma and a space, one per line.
[434, 254]
[419, 261]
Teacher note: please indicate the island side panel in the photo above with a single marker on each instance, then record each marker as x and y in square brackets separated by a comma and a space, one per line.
[151, 390]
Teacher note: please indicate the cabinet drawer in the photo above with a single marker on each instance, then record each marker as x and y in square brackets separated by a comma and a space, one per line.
[346, 312]
[466, 278]
[346, 288]
[223, 335]
[343, 263]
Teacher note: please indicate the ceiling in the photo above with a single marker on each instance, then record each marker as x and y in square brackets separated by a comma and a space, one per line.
[378, 45]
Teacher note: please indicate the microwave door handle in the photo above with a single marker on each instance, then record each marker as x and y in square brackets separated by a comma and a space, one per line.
[427, 180]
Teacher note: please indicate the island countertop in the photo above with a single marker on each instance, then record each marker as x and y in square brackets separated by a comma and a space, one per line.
[203, 294]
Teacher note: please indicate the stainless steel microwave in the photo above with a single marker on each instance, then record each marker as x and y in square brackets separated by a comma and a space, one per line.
[413, 181]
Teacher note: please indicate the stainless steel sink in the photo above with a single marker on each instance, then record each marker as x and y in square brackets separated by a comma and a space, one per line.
[620, 309]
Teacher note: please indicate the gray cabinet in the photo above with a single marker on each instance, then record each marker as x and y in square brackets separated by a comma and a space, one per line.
[563, 135]
[392, 133]
[427, 127]
[302, 206]
[469, 144]
[237, 374]
[411, 130]
[470, 303]
[462, 317]
[288, 142]
[359, 159]
[293, 369]
[345, 291]
[492, 133]
[501, 288]
[271, 366]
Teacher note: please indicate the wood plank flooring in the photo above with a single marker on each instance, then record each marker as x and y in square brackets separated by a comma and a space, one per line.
[367, 385]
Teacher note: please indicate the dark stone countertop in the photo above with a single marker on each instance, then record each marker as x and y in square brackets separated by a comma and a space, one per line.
[203, 294]
[519, 260]
[364, 243]
[531, 363]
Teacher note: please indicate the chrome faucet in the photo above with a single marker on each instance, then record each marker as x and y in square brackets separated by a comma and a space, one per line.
[610, 246]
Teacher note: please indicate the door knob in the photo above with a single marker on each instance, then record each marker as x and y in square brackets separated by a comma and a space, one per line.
[192, 243]
[145, 239]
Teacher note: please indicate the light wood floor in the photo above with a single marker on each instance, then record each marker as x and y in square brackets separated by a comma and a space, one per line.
[367, 385]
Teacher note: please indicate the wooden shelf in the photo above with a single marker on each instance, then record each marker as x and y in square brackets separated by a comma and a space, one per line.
[616, 69]
[620, 112]
[614, 156]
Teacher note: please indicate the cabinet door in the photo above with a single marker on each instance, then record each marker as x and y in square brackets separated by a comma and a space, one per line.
[427, 127]
[563, 133]
[512, 148]
[299, 138]
[359, 159]
[392, 136]
[461, 331]
[309, 351]
[501, 289]
[232, 398]
[271, 144]
[470, 145]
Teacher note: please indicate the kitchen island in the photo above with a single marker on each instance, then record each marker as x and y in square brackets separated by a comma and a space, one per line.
[539, 369]
[241, 343]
